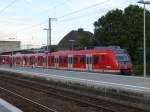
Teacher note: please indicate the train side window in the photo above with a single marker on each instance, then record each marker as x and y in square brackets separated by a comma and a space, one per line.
[55, 61]
[87, 60]
[18, 59]
[40, 59]
[96, 60]
[60, 60]
[90, 60]
[26, 59]
[32, 59]
[35, 60]
[70, 60]
[103, 57]
[75, 60]
[82, 59]
[44, 59]
[65, 59]
[52, 59]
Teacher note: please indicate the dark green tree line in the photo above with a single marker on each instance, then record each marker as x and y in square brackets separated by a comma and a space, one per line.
[124, 28]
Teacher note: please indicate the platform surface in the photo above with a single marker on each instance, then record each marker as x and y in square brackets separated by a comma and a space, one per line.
[128, 82]
[6, 107]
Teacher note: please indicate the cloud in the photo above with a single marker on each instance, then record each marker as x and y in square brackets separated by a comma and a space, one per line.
[30, 1]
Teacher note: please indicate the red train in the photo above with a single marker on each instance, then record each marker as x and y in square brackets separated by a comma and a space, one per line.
[103, 59]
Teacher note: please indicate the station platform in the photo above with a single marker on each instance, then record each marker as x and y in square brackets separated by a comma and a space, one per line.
[128, 90]
[6, 107]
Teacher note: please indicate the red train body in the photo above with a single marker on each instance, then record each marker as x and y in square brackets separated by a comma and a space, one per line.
[101, 60]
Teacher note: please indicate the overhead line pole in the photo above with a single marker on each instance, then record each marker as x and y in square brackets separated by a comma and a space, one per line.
[144, 2]
[50, 30]
[144, 43]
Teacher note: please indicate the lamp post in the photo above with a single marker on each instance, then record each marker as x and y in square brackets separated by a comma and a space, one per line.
[72, 44]
[47, 48]
[47, 30]
[144, 33]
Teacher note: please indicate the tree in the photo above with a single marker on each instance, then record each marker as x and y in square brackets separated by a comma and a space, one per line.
[124, 28]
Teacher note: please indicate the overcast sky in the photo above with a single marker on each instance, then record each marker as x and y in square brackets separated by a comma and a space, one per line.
[24, 20]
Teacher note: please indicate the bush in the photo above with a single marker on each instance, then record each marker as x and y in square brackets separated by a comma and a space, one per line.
[138, 70]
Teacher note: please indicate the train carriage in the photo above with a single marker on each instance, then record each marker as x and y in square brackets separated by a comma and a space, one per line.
[40, 60]
[103, 59]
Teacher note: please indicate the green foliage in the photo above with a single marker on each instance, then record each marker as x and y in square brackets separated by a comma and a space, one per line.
[125, 28]
[138, 70]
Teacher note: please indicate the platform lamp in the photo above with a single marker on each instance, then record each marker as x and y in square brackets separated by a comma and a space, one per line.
[12, 52]
[47, 48]
[144, 2]
[72, 44]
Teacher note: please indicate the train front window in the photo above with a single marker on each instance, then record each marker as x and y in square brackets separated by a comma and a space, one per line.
[96, 60]
[123, 59]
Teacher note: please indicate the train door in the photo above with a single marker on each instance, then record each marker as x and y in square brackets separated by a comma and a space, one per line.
[89, 62]
[70, 61]
[56, 61]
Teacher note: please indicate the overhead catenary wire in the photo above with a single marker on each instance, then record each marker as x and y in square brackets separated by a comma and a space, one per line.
[63, 16]
[80, 10]
[60, 17]
[8, 6]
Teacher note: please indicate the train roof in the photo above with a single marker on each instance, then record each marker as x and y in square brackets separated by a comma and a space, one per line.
[82, 52]
[102, 50]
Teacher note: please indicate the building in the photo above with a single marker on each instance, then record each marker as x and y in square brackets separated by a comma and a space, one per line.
[76, 39]
[6, 46]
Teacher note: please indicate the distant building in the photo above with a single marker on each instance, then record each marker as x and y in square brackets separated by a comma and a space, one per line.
[6, 46]
[73, 37]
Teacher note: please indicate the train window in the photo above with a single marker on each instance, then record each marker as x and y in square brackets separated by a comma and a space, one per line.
[96, 60]
[44, 60]
[52, 59]
[60, 60]
[32, 59]
[26, 59]
[40, 59]
[35, 60]
[103, 57]
[82, 59]
[65, 60]
[75, 60]
[70, 60]
[90, 60]
[18, 59]
[57, 60]
[87, 60]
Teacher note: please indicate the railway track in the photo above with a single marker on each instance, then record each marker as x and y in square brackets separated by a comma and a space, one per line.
[40, 106]
[99, 105]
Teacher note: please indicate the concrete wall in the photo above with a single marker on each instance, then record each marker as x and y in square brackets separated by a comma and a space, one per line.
[6, 46]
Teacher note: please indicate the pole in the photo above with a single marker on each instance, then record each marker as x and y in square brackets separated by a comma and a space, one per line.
[47, 48]
[50, 31]
[72, 45]
[144, 42]
[47, 39]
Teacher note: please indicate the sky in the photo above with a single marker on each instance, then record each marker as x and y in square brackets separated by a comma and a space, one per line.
[24, 20]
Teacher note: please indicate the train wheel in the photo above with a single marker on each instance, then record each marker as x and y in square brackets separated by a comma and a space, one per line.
[125, 72]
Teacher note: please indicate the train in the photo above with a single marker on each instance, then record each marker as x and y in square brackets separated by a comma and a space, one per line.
[101, 59]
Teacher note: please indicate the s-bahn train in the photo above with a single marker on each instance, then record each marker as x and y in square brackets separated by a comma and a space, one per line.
[102, 59]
